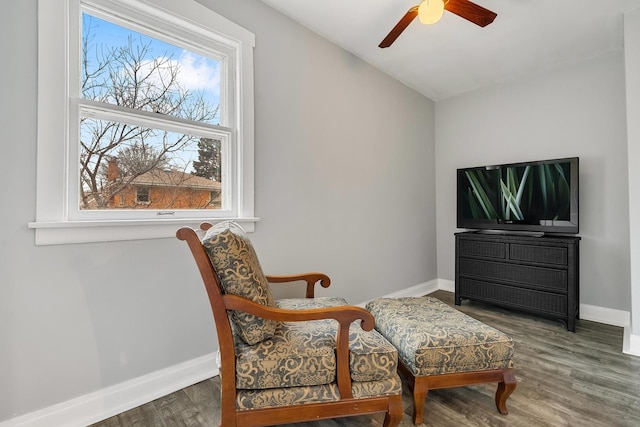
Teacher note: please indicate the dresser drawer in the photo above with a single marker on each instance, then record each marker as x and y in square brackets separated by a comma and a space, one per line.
[539, 254]
[482, 249]
[529, 276]
[528, 299]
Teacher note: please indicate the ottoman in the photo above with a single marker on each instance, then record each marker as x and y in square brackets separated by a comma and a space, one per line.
[440, 347]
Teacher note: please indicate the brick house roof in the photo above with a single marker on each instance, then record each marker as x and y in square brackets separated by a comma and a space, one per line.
[172, 178]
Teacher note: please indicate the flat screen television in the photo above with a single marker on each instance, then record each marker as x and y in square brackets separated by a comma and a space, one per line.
[533, 197]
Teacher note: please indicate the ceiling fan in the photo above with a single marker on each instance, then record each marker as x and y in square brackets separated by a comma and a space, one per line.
[430, 11]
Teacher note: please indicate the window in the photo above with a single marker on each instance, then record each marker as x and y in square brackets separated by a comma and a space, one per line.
[153, 128]
[142, 195]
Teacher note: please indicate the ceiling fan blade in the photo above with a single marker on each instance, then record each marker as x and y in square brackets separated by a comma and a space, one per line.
[400, 27]
[471, 12]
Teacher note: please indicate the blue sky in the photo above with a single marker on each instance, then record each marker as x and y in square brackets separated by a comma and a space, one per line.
[197, 72]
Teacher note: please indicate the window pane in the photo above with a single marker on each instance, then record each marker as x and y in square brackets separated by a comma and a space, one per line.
[132, 70]
[124, 166]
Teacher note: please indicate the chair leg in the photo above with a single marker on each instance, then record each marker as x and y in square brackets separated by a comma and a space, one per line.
[394, 415]
[505, 388]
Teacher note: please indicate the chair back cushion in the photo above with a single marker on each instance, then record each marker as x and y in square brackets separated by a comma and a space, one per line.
[239, 273]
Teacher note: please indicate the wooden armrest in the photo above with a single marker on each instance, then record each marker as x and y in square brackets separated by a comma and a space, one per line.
[310, 278]
[344, 314]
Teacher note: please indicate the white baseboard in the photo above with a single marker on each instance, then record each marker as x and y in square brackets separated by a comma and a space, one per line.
[446, 285]
[414, 291]
[110, 401]
[605, 315]
[631, 343]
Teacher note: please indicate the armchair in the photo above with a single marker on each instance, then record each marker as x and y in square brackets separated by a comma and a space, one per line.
[289, 360]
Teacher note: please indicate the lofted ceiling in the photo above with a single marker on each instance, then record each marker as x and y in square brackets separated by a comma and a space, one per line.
[455, 56]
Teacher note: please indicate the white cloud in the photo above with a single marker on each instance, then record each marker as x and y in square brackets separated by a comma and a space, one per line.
[196, 73]
[199, 73]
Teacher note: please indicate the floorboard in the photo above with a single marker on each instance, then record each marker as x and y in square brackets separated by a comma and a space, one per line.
[564, 379]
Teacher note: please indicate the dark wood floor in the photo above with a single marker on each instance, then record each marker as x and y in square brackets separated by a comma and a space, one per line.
[564, 379]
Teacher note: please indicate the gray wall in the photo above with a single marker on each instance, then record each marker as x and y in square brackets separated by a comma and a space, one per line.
[344, 178]
[578, 110]
[632, 68]
[344, 161]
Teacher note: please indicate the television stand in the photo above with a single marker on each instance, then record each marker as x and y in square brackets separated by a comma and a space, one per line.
[539, 275]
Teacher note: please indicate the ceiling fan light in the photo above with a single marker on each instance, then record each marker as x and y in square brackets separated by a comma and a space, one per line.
[430, 11]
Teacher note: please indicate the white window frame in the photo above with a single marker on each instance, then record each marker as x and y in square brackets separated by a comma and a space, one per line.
[58, 23]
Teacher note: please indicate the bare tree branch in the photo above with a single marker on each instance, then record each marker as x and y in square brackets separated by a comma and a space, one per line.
[125, 76]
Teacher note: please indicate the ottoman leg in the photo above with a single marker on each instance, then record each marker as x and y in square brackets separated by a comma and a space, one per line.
[419, 387]
[505, 387]
[420, 390]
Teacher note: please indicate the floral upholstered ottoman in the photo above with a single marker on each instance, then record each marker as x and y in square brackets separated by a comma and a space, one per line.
[440, 347]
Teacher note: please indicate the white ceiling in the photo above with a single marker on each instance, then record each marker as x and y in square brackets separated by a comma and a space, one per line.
[455, 56]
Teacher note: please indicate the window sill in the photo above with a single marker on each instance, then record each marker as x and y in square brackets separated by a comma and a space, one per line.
[67, 232]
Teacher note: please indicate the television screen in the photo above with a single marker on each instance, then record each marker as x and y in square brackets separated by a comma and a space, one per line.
[540, 196]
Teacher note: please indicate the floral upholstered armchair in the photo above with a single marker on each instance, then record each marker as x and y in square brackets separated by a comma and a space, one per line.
[289, 360]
